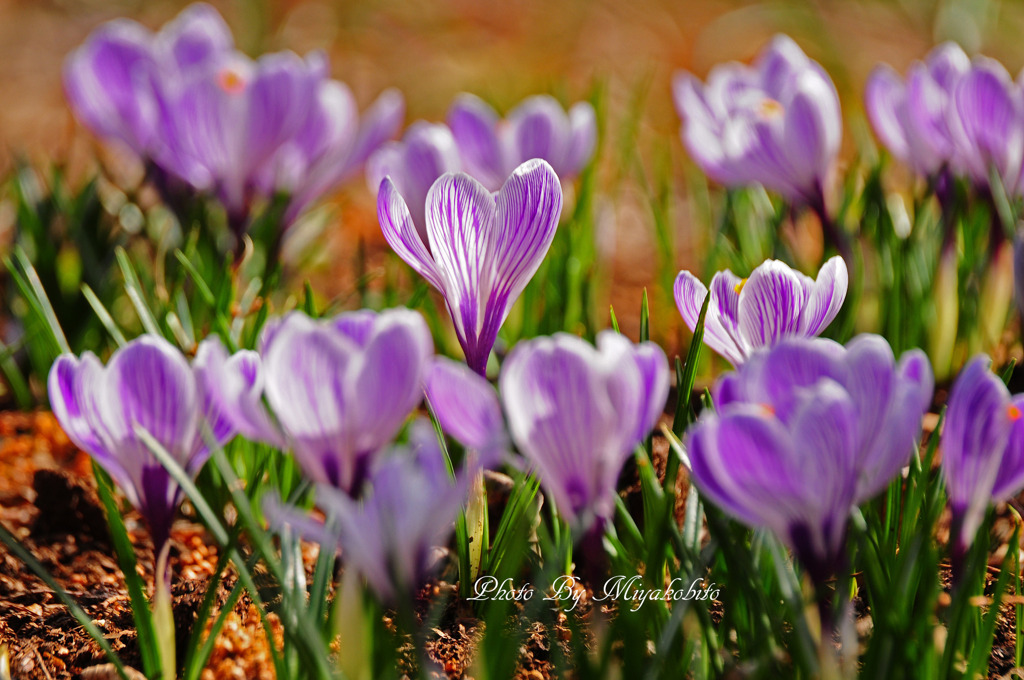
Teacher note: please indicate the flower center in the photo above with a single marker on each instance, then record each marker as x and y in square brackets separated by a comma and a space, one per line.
[767, 408]
[231, 81]
[739, 286]
[769, 108]
[1013, 412]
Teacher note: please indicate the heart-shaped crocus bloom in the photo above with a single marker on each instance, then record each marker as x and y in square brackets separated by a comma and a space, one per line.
[538, 127]
[776, 123]
[147, 385]
[576, 412]
[340, 388]
[773, 303]
[806, 430]
[483, 248]
[109, 79]
[982, 447]
[426, 152]
[912, 118]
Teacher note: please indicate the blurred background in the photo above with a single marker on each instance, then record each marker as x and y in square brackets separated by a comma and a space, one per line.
[505, 51]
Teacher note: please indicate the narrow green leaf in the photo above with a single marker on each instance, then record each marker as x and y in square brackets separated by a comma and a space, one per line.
[104, 316]
[136, 294]
[645, 320]
[684, 387]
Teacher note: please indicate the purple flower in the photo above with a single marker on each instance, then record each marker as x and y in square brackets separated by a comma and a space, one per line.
[109, 79]
[483, 248]
[576, 413]
[912, 118]
[773, 303]
[538, 128]
[987, 125]
[339, 388]
[206, 115]
[426, 152]
[775, 123]
[389, 536]
[982, 448]
[147, 384]
[803, 432]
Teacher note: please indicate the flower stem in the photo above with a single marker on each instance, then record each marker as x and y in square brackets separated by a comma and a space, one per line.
[163, 614]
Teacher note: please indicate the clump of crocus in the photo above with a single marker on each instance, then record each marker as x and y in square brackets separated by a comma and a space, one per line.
[802, 433]
[982, 450]
[426, 152]
[776, 123]
[491, 148]
[481, 248]
[339, 388]
[912, 117]
[201, 113]
[389, 536]
[773, 303]
[147, 388]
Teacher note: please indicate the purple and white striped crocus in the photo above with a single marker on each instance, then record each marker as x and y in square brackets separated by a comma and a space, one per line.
[773, 303]
[576, 413]
[149, 385]
[806, 430]
[982, 449]
[426, 152]
[912, 117]
[109, 80]
[776, 123]
[339, 389]
[491, 148]
[481, 248]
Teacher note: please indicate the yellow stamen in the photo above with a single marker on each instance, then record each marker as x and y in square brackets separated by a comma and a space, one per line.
[231, 81]
[739, 286]
[769, 108]
[768, 410]
[1013, 412]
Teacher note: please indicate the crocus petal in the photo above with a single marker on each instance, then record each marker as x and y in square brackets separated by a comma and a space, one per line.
[466, 405]
[528, 207]
[770, 303]
[653, 365]
[235, 384]
[988, 122]
[826, 297]
[583, 137]
[974, 437]
[813, 129]
[884, 99]
[401, 234]
[461, 216]
[690, 294]
[389, 379]
[380, 123]
[73, 385]
[195, 37]
[473, 123]
[1010, 477]
[539, 128]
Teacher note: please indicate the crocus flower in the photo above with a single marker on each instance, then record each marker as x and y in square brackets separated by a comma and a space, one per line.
[539, 127]
[147, 384]
[467, 408]
[982, 448]
[389, 535]
[109, 79]
[426, 152]
[773, 303]
[912, 117]
[204, 115]
[576, 412]
[803, 432]
[339, 388]
[987, 125]
[481, 249]
[776, 123]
